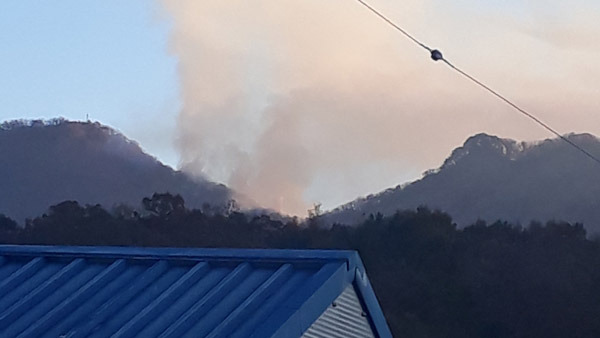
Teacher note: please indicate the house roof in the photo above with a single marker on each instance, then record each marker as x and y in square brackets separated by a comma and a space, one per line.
[165, 292]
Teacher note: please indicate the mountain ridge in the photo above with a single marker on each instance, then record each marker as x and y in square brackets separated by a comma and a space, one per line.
[492, 178]
[47, 162]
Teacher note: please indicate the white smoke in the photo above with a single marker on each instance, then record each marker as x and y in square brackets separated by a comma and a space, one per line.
[292, 101]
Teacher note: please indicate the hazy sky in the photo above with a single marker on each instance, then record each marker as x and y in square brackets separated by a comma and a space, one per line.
[293, 102]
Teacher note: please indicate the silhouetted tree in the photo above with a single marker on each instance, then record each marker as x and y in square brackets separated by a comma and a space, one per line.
[7, 224]
[432, 279]
[163, 205]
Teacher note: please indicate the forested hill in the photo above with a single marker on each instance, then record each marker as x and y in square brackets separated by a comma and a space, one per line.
[492, 178]
[431, 279]
[46, 162]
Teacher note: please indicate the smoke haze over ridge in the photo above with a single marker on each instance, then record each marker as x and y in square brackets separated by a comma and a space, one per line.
[293, 102]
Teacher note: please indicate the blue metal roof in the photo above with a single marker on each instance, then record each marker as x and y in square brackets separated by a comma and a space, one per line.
[162, 292]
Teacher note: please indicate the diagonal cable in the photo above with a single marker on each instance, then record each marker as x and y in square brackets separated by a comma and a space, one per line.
[436, 55]
[391, 23]
[522, 111]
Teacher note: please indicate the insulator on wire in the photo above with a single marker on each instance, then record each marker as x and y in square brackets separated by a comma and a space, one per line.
[436, 55]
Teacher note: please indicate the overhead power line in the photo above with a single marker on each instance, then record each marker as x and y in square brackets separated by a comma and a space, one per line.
[436, 55]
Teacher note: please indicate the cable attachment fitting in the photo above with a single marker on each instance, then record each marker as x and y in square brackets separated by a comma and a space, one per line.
[436, 55]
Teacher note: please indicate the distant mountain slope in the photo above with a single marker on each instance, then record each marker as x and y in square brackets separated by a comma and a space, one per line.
[42, 163]
[491, 178]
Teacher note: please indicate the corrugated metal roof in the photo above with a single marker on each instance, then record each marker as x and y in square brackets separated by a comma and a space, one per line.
[136, 292]
[345, 318]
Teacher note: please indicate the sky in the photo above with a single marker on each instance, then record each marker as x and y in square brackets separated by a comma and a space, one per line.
[106, 59]
[298, 102]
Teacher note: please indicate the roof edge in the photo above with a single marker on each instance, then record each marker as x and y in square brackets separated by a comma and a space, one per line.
[365, 292]
[183, 253]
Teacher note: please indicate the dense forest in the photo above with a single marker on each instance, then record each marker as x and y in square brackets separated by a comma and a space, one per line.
[432, 279]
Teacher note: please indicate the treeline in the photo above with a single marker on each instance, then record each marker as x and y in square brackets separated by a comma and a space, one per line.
[432, 279]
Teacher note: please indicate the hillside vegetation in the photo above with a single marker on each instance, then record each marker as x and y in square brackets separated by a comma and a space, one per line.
[490, 178]
[47, 162]
[432, 279]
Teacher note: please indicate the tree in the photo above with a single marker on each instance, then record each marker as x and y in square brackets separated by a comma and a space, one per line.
[7, 224]
[163, 205]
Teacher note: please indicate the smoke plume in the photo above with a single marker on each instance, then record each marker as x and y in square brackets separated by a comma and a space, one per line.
[292, 102]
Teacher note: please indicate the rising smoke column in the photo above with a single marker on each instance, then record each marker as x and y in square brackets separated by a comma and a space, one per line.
[285, 99]
[270, 93]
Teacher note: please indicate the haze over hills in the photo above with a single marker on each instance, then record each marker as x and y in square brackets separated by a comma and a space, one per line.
[491, 178]
[44, 163]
